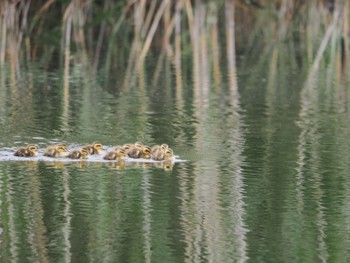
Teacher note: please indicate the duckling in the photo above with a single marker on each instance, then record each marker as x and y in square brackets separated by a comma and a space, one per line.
[169, 154]
[56, 151]
[146, 152]
[135, 150]
[29, 151]
[78, 154]
[95, 148]
[162, 155]
[63, 145]
[164, 146]
[159, 147]
[117, 154]
[127, 147]
[138, 150]
[159, 150]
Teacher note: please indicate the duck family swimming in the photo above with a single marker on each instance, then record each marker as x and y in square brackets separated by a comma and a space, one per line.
[136, 150]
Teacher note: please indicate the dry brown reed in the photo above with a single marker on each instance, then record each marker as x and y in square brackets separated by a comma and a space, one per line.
[88, 26]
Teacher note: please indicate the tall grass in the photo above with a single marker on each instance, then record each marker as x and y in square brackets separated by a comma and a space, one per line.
[92, 32]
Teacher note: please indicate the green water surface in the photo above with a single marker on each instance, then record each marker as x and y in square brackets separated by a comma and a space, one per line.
[266, 178]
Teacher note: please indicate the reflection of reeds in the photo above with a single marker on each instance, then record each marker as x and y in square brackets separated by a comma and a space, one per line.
[230, 44]
[38, 239]
[147, 226]
[67, 29]
[66, 228]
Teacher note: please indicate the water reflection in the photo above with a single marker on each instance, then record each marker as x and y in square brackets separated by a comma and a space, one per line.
[147, 227]
[212, 213]
[66, 228]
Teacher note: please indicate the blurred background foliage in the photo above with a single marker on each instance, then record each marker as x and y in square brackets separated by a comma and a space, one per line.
[57, 33]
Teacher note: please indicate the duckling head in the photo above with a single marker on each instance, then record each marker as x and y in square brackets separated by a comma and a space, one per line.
[61, 151]
[146, 152]
[97, 147]
[62, 146]
[32, 149]
[84, 153]
[138, 145]
[127, 146]
[164, 146]
[121, 153]
[169, 154]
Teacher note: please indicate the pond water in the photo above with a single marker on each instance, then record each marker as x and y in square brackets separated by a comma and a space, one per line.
[265, 177]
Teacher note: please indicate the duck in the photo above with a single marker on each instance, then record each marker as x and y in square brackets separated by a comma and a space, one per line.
[127, 147]
[156, 148]
[29, 151]
[146, 152]
[134, 150]
[138, 150]
[94, 148]
[78, 154]
[169, 154]
[115, 154]
[163, 155]
[56, 151]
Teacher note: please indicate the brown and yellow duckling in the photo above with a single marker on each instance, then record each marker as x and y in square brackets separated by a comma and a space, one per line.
[29, 151]
[78, 154]
[133, 150]
[163, 155]
[146, 152]
[138, 150]
[56, 151]
[157, 148]
[158, 151]
[94, 148]
[115, 154]
[126, 147]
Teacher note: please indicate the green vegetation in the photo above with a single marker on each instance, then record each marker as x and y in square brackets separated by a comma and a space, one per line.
[64, 32]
